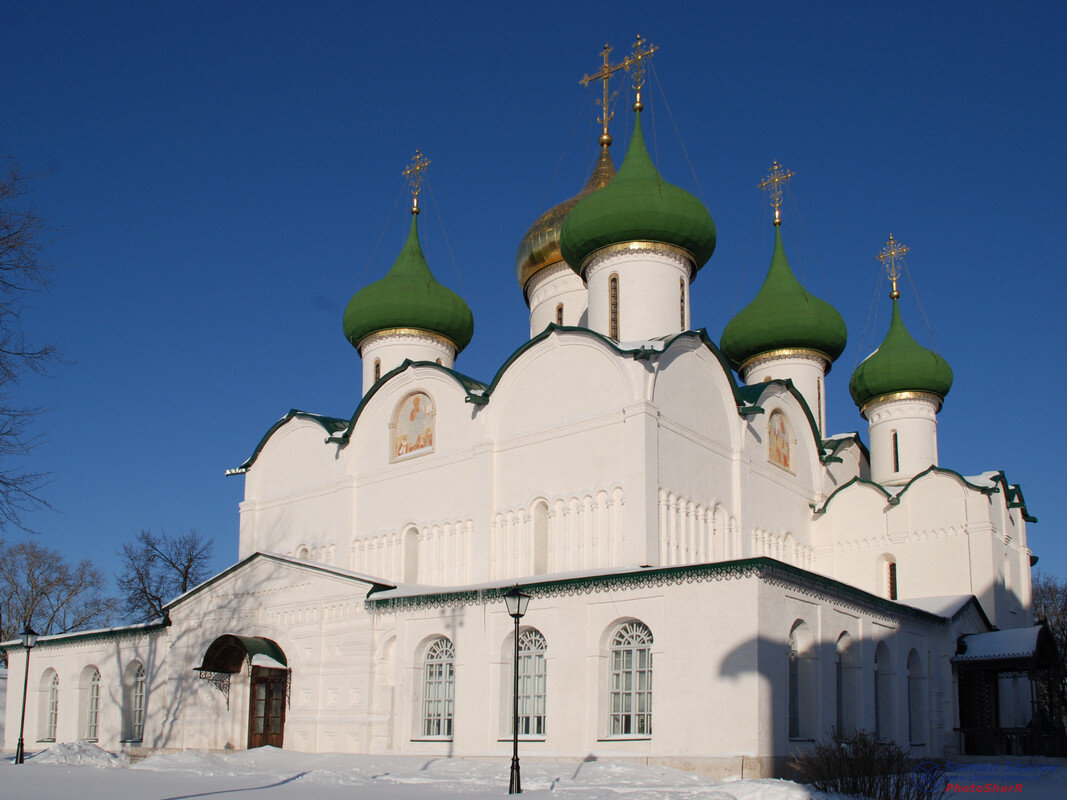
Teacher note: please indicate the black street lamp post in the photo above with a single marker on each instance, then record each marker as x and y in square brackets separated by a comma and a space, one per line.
[516, 601]
[29, 638]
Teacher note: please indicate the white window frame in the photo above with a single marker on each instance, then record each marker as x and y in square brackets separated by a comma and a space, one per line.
[533, 675]
[137, 705]
[52, 720]
[438, 689]
[630, 681]
[92, 707]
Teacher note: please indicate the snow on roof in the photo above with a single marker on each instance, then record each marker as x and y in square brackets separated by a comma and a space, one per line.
[847, 435]
[95, 632]
[418, 590]
[1012, 643]
[988, 479]
[948, 605]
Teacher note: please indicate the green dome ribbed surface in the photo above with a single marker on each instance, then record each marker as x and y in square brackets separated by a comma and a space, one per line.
[638, 205]
[783, 315]
[409, 297]
[900, 364]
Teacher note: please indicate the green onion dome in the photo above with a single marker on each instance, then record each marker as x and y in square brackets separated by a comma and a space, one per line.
[783, 315]
[539, 248]
[900, 364]
[638, 205]
[409, 297]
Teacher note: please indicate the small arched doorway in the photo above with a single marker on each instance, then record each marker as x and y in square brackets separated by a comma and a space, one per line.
[269, 682]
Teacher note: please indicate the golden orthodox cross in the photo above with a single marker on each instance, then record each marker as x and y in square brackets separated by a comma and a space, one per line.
[413, 173]
[636, 59]
[889, 256]
[772, 184]
[607, 69]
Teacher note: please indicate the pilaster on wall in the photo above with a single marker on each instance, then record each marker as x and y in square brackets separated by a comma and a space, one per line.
[642, 481]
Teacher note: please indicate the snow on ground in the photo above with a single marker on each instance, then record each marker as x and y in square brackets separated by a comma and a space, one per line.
[85, 772]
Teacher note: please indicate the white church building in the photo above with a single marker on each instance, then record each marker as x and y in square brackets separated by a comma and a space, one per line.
[716, 579]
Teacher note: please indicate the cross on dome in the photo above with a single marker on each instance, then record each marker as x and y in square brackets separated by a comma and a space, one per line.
[778, 177]
[607, 69]
[892, 258]
[413, 174]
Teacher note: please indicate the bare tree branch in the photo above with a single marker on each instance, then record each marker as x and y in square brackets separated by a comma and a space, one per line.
[23, 236]
[158, 568]
[38, 586]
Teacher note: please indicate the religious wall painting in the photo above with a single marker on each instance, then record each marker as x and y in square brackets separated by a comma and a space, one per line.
[413, 427]
[779, 441]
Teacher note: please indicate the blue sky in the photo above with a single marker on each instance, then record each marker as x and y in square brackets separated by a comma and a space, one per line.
[221, 174]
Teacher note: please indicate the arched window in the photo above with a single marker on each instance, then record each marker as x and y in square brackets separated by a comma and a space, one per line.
[613, 306]
[133, 686]
[845, 680]
[51, 709]
[681, 303]
[92, 705]
[891, 579]
[915, 699]
[377, 368]
[896, 452]
[801, 681]
[631, 681]
[559, 314]
[883, 693]
[438, 688]
[532, 674]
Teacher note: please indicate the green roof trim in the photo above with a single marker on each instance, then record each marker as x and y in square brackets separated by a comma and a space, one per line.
[477, 393]
[409, 297]
[900, 364]
[783, 315]
[637, 205]
[473, 389]
[986, 490]
[329, 424]
[104, 634]
[760, 568]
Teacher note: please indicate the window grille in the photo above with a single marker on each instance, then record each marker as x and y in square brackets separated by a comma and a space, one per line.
[377, 369]
[92, 709]
[137, 705]
[532, 683]
[891, 579]
[631, 681]
[439, 686]
[53, 709]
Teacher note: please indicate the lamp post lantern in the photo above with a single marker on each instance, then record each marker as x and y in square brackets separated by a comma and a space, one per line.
[29, 638]
[516, 601]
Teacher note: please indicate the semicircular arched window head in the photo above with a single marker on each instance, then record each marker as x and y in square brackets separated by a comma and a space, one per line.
[801, 681]
[413, 427]
[630, 682]
[780, 450]
[438, 688]
[49, 709]
[133, 702]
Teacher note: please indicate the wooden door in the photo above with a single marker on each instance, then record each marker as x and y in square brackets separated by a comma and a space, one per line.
[266, 707]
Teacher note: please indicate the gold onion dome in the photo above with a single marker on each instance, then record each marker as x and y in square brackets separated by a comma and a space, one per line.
[539, 247]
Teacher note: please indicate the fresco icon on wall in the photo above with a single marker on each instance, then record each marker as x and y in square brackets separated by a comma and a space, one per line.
[413, 432]
[779, 449]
